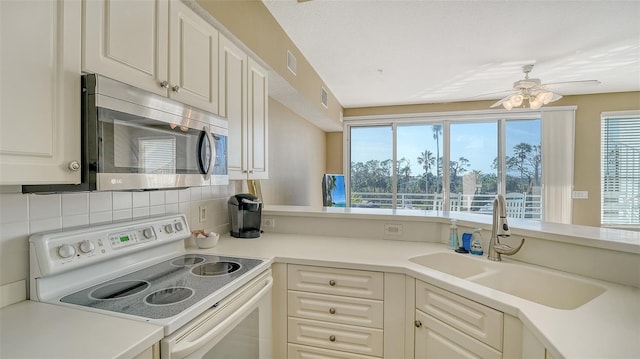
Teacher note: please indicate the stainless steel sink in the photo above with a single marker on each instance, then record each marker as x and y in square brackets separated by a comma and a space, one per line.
[552, 289]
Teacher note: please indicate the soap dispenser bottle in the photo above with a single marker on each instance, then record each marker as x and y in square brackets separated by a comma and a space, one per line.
[476, 242]
[453, 236]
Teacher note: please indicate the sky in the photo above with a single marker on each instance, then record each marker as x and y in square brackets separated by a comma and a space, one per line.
[475, 141]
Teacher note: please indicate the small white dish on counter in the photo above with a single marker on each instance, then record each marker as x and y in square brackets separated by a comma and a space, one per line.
[207, 240]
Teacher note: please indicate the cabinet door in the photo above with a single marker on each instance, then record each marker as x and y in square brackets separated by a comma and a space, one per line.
[39, 91]
[257, 148]
[434, 339]
[193, 55]
[127, 41]
[233, 105]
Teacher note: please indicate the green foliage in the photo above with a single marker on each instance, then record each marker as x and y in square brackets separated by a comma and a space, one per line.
[523, 173]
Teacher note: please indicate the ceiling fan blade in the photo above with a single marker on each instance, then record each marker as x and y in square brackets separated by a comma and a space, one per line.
[485, 95]
[552, 85]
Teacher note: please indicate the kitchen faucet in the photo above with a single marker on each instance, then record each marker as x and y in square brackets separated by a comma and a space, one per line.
[500, 229]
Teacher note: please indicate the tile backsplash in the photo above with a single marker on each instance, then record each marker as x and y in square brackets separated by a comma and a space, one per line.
[24, 214]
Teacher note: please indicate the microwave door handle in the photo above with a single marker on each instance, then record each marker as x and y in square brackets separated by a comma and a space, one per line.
[185, 348]
[212, 148]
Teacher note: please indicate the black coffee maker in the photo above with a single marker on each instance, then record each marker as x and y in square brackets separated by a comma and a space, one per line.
[245, 215]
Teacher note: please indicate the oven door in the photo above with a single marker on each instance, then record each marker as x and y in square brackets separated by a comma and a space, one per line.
[137, 152]
[239, 327]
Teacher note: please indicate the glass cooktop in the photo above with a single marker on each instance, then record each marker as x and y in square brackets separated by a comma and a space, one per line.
[165, 289]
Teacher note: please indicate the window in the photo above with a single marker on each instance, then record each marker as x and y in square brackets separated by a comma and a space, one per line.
[398, 163]
[620, 167]
[371, 166]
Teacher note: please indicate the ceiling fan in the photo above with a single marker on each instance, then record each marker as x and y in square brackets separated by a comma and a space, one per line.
[535, 92]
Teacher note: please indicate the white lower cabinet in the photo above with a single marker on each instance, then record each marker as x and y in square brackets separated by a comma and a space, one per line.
[450, 326]
[334, 313]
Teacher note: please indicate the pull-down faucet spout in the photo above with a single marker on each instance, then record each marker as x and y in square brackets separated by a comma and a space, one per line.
[500, 229]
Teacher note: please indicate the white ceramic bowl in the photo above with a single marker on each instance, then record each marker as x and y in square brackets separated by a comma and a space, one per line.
[208, 241]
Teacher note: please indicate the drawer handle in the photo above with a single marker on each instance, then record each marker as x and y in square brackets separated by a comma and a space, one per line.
[332, 338]
[332, 282]
[332, 310]
[418, 324]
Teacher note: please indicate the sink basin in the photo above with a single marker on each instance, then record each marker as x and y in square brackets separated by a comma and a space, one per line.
[549, 289]
[554, 290]
[453, 264]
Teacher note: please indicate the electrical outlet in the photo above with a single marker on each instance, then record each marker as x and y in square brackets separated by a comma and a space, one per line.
[269, 223]
[580, 195]
[393, 229]
[202, 214]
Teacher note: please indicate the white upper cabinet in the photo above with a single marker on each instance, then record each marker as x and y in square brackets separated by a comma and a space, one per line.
[193, 58]
[157, 45]
[258, 121]
[243, 101]
[39, 92]
[127, 41]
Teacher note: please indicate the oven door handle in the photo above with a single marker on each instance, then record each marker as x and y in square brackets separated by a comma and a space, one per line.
[185, 348]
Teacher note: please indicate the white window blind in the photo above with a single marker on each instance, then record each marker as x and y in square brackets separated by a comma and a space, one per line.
[620, 166]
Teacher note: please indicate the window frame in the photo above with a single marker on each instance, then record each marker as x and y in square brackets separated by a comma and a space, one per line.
[446, 118]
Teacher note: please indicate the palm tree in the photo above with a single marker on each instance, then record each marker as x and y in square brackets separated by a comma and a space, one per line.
[437, 132]
[427, 161]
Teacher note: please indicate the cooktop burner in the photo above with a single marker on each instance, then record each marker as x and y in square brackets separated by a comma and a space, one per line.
[165, 289]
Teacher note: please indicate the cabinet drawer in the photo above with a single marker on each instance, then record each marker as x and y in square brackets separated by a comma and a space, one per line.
[348, 282]
[474, 319]
[296, 351]
[434, 339]
[359, 340]
[331, 308]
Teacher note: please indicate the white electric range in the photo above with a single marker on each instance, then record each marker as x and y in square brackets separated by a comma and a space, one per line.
[140, 270]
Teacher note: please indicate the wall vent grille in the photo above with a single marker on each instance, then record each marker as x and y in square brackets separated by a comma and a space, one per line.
[324, 98]
[292, 63]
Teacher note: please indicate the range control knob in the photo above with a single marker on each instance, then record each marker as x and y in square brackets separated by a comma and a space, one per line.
[87, 246]
[179, 226]
[147, 233]
[168, 228]
[66, 251]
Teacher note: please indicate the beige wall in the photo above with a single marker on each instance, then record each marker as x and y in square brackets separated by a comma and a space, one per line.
[252, 23]
[587, 139]
[334, 155]
[296, 159]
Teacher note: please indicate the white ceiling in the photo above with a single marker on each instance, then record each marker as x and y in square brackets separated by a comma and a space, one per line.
[385, 52]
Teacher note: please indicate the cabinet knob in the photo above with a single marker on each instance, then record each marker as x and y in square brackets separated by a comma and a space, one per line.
[418, 324]
[74, 166]
[332, 310]
[332, 338]
[176, 88]
[332, 282]
[164, 84]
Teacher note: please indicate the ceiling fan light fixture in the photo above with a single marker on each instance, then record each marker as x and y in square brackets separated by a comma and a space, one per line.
[545, 96]
[516, 100]
[507, 105]
[535, 103]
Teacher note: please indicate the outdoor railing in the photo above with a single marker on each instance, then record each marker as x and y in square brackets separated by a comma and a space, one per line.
[476, 203]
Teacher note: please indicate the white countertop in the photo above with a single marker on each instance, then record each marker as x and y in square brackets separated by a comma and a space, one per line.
[598, 237]
[606, 327]
[39, 330]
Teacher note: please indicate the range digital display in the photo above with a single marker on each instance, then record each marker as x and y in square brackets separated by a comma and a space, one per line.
[124, 239]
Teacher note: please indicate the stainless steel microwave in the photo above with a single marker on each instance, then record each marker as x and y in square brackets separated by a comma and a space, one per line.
[136, 140]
